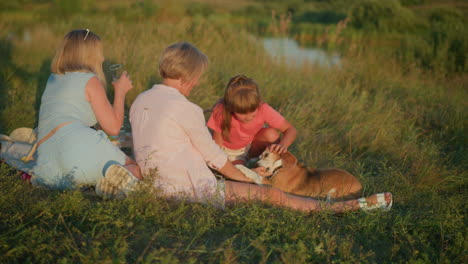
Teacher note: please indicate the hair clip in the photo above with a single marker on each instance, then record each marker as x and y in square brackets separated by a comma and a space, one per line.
[87, 33]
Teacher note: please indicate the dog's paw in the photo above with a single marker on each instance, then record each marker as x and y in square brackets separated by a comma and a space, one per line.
[250, 174]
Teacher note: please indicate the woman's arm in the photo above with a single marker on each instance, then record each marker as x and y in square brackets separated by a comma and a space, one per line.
[194, 125]
[218, 138]
[231, 172]
[110, 117]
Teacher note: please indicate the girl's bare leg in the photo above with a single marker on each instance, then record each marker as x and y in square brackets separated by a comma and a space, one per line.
[237, 192]
[238, 162]
[264, 138]
[133, 167]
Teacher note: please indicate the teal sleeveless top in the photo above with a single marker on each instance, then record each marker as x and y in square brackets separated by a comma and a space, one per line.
[64, 101]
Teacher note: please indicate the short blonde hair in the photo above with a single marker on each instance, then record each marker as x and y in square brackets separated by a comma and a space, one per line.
[81, 50]
[182, 61]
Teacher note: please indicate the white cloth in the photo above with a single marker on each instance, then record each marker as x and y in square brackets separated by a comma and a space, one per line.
[170, 134]
[16, 147]
[13, 152]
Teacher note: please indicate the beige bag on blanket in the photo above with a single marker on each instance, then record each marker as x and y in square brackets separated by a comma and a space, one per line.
[23, 134]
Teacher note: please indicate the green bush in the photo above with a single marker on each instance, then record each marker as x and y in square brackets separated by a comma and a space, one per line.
[68, 7]
[137, 11]
[254, 11]
[412, 2]
[382, 16]
[320, 17]
[437, 41]
[194, 9]
[18, 4]
[448, 37]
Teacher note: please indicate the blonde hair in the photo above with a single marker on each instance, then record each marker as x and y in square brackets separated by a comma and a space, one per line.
[242, 96]
[182, 61]
[81, 50]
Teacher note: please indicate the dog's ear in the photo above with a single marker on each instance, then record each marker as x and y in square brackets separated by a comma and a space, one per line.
[289, 160]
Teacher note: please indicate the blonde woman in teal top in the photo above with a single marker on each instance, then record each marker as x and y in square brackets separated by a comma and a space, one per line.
[70, 153]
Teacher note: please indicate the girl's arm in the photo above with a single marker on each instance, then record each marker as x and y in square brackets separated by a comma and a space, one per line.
[289, 135]
[110, 117]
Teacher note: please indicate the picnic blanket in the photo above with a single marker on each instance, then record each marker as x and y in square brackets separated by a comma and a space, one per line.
[16, 146]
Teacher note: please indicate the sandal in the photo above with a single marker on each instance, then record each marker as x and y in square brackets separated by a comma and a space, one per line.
[106, 190]
[118, 182]
[381, 203]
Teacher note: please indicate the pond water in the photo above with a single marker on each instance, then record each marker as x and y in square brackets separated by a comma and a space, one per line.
[288, 50]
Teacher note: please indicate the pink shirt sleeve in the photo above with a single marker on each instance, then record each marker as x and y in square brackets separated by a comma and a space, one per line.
[216, 118]
[271, 116]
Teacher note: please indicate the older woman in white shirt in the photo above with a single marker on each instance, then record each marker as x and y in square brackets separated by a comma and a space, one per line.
[170, 135]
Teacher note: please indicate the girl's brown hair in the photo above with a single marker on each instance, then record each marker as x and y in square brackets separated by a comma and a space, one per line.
[81, 50]
[242, 96]
[182, 61]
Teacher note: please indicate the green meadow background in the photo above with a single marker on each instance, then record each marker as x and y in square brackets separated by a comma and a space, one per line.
[393, 113]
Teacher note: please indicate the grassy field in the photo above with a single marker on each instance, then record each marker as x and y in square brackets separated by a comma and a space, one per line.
[397, 125]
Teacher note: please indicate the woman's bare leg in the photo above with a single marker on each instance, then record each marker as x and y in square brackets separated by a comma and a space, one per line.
[133, 167]
[237, 192]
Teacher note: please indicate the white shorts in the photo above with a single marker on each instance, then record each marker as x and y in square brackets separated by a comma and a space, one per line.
[237, 154]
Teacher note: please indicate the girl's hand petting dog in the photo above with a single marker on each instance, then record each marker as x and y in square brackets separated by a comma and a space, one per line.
[278, 148]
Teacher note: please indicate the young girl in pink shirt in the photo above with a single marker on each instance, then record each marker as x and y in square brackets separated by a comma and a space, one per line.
[238, 123]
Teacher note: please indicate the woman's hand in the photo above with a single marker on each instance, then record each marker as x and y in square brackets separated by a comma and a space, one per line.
[123, 84]
[278, 148]
[262, 171]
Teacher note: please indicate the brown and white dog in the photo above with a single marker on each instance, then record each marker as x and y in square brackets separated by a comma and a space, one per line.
[290, 176]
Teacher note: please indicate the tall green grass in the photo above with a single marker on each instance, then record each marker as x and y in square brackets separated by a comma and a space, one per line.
[394, 126]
